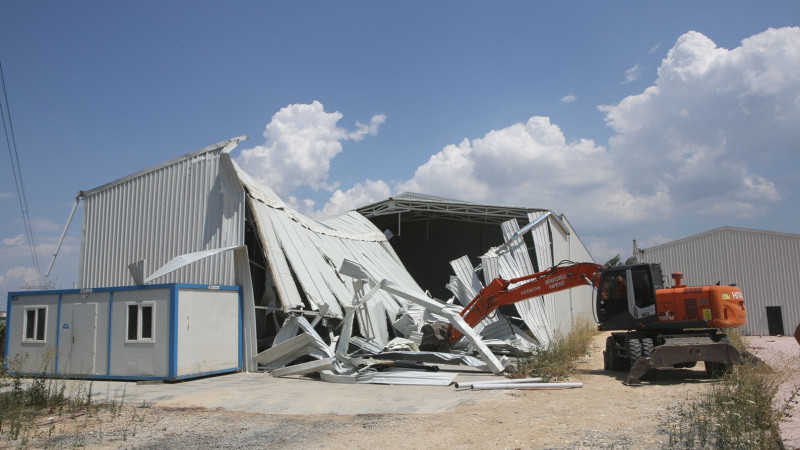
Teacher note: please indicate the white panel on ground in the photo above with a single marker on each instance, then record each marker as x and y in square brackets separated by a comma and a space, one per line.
[301, 345]
[406, 376]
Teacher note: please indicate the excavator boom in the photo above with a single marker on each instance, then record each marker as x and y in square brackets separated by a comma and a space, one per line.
[506, 292]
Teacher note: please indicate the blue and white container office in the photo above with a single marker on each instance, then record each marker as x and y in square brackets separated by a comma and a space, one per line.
[152, 332]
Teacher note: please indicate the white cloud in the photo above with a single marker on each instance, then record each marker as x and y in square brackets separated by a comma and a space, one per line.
[602, 250]
[569, 98]
[532, 164]
[16, 240]
[359, 195]
[632, 74]
[525, 164]
[717, 126]
[713, 136]
[16, 278]
[300, 142]
[371, 129]
[654, 49]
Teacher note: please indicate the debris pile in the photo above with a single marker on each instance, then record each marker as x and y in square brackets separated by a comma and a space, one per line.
[421, 326]
[349, 358]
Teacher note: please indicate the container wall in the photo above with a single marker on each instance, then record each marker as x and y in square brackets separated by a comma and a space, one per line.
[207, 331]
[32, 334]
[143, 354]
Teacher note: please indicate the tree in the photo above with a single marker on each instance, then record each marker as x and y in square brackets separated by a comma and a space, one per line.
[616, 261]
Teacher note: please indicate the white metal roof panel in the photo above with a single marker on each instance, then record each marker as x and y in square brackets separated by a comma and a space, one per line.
[311, 251]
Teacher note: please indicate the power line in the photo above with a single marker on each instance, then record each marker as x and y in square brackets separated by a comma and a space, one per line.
[16, 169]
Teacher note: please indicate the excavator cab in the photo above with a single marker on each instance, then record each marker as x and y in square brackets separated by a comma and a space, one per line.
[626, 296]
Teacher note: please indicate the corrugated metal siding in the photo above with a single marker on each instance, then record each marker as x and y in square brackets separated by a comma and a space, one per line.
[312, 251]
[577, 303]
[765, 265]
[516, 263]
[193, 204]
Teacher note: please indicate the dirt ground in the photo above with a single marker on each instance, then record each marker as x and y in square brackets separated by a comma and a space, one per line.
[602, 414]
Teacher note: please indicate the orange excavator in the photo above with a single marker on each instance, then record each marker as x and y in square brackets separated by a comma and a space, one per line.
[655, 326]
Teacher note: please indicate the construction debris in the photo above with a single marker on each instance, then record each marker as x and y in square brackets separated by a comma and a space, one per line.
[527, 386]
[503, 381]
[357, 355]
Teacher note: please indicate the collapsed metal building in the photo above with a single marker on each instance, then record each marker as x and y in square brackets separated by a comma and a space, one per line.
[430, 234]
[160, 245]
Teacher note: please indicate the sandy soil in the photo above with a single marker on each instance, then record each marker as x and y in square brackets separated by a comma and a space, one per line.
[603, 414]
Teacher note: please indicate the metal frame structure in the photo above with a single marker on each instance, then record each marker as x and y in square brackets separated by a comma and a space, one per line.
[413, 206]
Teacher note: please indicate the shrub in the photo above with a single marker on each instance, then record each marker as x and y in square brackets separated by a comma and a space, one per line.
[557, 361]
[738, 412]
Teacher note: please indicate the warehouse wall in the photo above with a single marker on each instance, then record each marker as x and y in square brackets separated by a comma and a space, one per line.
[186, 205]
[576, 304]
[765, 265]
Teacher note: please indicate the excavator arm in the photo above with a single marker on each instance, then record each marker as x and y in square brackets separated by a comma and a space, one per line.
[497, 293]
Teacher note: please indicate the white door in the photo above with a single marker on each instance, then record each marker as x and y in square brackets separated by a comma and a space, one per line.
[82, 339]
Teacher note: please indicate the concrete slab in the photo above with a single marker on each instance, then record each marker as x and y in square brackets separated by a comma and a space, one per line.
[261, 393]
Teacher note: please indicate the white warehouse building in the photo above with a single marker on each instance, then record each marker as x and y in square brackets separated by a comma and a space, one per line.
[764, 264]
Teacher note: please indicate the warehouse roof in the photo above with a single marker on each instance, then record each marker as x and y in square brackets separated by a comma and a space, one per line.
[414, 206]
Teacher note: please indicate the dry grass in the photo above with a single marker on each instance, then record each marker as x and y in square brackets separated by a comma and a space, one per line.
[557, 361]
[738, 412]
[29, 405]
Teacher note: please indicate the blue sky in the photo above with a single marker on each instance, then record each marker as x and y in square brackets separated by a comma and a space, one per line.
[645, 120]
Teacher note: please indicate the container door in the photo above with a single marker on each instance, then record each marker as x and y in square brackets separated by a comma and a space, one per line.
[83, 339]
[774, 320]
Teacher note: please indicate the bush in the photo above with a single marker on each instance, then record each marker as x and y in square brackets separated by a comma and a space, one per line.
[735, 338]
[557, 361]
[736, 413]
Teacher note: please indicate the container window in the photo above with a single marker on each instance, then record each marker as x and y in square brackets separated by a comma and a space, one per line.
[141, 322]
[147, 322]
[35, 326]
[133, 322]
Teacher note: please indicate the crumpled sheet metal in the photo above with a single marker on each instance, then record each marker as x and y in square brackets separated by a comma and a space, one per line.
[288, 345]
[338, 365]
